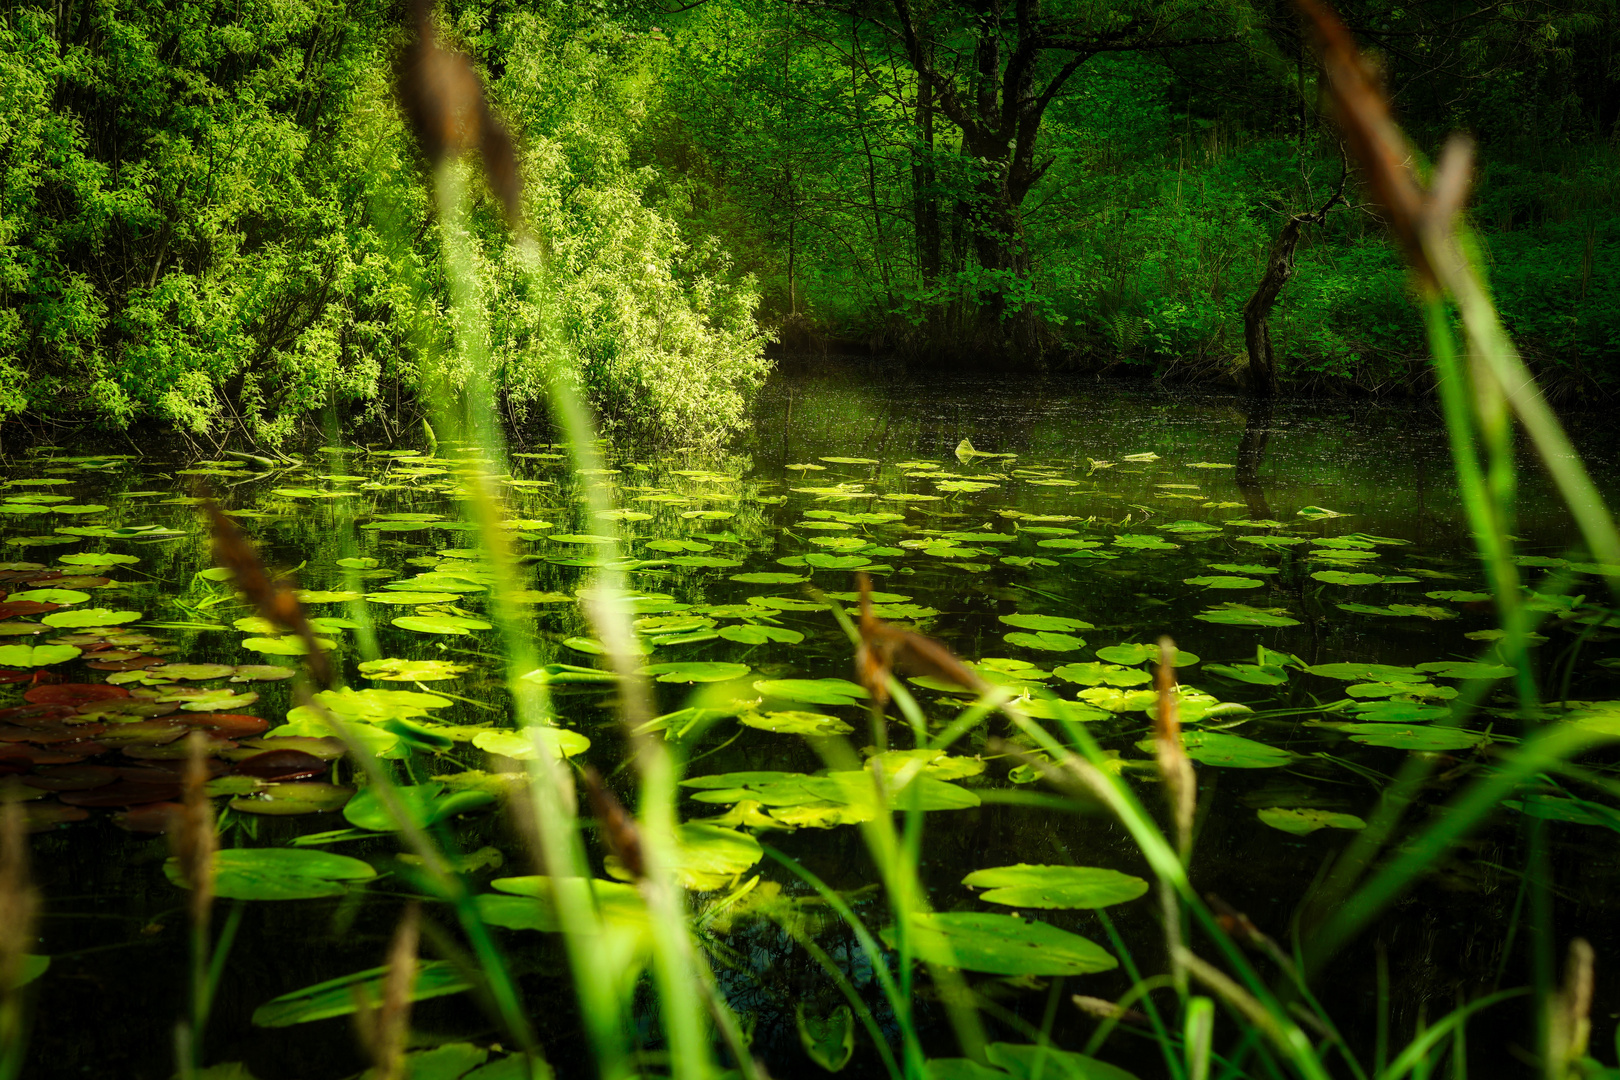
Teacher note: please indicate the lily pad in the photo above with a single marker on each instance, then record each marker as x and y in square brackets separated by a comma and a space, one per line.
[423, 803]
[1303, 822]
[1002, 945]
[1058, 623]
[1217, 581]
[1045, 641]
[795, 723]
[813, 691]
[1401, 737]
[89, 617]
[1238, 615]
[393, 670]
[34, 656]
[696, 672]
[454, 625]
[1029, 886]
[280, 874]
[1229, 751]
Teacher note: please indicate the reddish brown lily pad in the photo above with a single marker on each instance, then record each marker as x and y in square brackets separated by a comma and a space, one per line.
[148, 732]
[25, 607]
[151, 818]
[123, 710]
[71, 777]
[60, 754]
[228, 725]
[124, 793]
[175, 751]
[73, 694]
[44, 816]
[9, 676]
[25, 714]
[45, 734]
[282, 765]
[126, 661]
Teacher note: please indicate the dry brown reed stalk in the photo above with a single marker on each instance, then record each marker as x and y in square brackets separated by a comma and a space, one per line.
[1180, 782]
[619, 830]
[885, 647]
[1569, 1027]
[276, 599]
[19, 907]
[385, 1028]
[443, 99]
[191, 835]
[1103, 1009]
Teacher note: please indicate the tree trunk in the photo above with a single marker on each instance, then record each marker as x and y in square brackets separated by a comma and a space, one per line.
[1262, 374]
[924, 180]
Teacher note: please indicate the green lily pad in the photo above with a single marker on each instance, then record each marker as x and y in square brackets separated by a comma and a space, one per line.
[1095, 674]
[795, 723]
[813, 691]
[1056, 623]
[1144, 543]
[1461, 669]
[1401, 611]
[96, 558]
[1029, 886]
[33, 656]
[580, 538]
[1219, 581]
[287, 645]
[1238, 615]
[1401, 737]
[339, 997]
[1303, 822]
[1254, 674]
[1399, 712]
[519, 745]
[279, 874]
[89, 617]
[1045, 641]
[423, 803]
[1229, 751]
[1131, 654]
[288, 799]
[49, 596]
[391, 670]
[454, 625]
[1366, 672]
[769, 578]
[1002, 945]
[696, 672]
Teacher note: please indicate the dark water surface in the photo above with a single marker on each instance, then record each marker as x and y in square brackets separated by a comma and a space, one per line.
[1117, 496]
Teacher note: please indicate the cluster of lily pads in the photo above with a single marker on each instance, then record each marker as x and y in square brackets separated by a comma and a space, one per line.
[1019, 566]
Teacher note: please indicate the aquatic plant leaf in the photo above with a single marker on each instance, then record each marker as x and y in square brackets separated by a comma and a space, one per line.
[337, 997]
[519, 745]
[1024, 885]
[1140, 653]
[1303, 822]
[1001, 945]
[1399, 712]
[1096, 674]
[392, 670]
[794, 723]
[33, 656]
[1229, 751]
[1254, 674]
[286, 645]
[289, 799]
[455, 625]
[1355, 672]
[261, 673]
[813, 691]
[1459, 596]
[1270, 541]
[279, 874]
[769, 578]
[1244, 568]
[1137, 542]
[1046, 622]
[1317, 513]
[755, 634]
[49, 596]
[1461, 669]
[1238, 615]
[1223, 582]
[89, 617]
[1424, 611]
[1045, 641]
[1401, 737]
[696, 672]
[423, 803]
[1572, 811]
[96, 558]
[829, 1040]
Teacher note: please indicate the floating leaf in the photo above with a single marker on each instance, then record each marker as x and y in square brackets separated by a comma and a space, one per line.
[1045, 641]
[1303, 822]
[1029, 886]
[520, 745]
[696, 672]
[1223, 582]
[1141, 653]
[1001, 945]
[1400, 737]
[1460, 669]
[813, 691]
[795, 723]
[34, 656]
[279, 874]
[1046, 622]
[455, 625]
[289, 645]
[89, 617]
[1366, 672]
[1254, 674]
[423, 803]
[1103, 675]
[340, 997]
[1231, 751]
[391, 670]
[1239, 615]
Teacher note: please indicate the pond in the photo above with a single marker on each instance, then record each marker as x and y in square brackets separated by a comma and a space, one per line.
[1311, 564]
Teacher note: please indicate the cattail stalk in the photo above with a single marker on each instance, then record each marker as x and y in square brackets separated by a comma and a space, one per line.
[1180, 782]
[194, 844]
[384, 1029]
[19, 911]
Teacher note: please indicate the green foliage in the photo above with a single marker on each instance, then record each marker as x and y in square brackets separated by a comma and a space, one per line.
[210, 216]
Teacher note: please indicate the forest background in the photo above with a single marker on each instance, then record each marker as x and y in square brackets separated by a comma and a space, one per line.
[212, 216]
